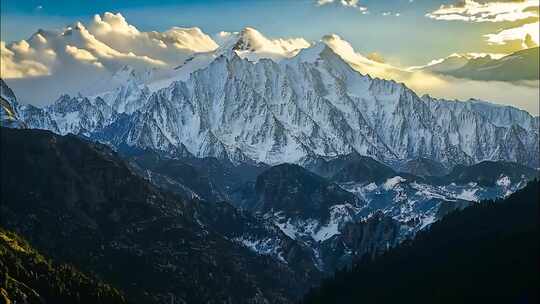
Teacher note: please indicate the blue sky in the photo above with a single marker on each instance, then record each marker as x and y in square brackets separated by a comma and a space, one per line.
[407, 39]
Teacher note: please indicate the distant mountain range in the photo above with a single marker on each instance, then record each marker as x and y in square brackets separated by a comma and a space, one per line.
[521, 65]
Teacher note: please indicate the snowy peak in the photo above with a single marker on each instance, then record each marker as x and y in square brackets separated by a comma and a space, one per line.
[313, 53]
[253, 45]
[341, 47]
[249, 39]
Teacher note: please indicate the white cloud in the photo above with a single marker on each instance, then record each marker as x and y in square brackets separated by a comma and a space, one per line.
[345, 3]
[80, 54]
[108, 42]
[386, 14]
[261, 46]
[12, 67]
[114, 30]
[82, 58]
[527, 33]
[487, 11]
[497, 11]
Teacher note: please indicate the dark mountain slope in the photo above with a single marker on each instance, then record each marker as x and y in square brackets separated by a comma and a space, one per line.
[80, 203]
[350, 168]
[28, 277]
[298, 193]
[211, 178]
[487, 253]
[487, 173]
[423, 167]
[521, 65]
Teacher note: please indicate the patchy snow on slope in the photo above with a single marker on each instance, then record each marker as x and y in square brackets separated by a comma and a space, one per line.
[468, 195]
[504, 181]
[266, 246]
[339, 215]
[312, 230]
[392, 182]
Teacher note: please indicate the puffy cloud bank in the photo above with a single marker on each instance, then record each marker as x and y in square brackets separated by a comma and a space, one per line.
[345, 3]
[527, 33]
[522, 14]
[487, 11]
[108, 42]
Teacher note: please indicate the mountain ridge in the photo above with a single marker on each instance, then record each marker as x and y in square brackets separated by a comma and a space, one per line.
[311, 104]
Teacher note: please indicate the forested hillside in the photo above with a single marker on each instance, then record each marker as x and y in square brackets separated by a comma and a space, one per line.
[26, 276]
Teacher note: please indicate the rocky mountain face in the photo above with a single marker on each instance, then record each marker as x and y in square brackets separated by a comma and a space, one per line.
[321, 215]
[93, 211]
[474, 123]
[308, 208]
[307, 104]
[418, 201]
[372, 236]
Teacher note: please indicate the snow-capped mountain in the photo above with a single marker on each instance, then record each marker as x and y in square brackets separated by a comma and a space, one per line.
[252, 45]
[309, 104]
